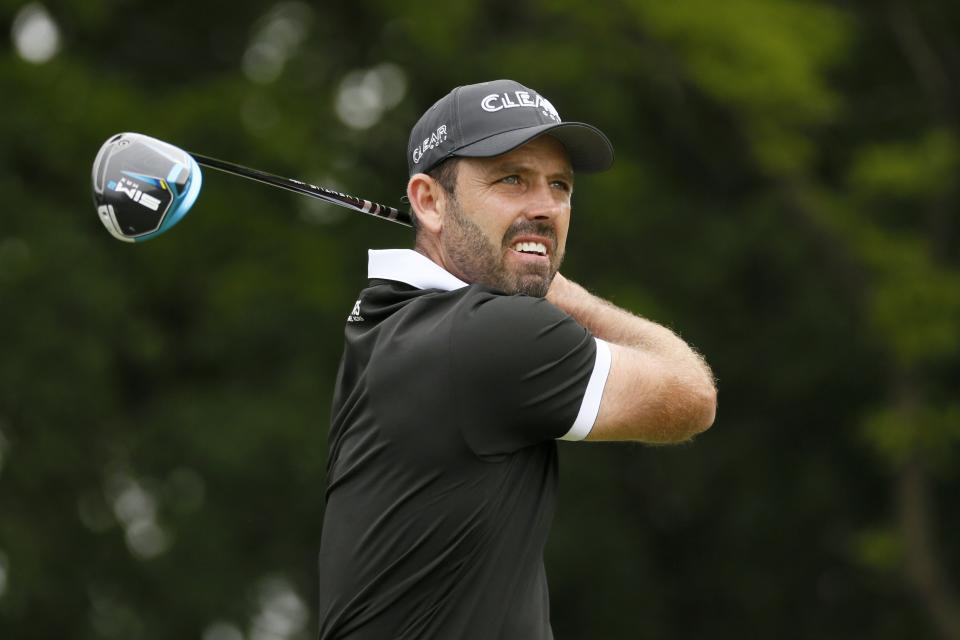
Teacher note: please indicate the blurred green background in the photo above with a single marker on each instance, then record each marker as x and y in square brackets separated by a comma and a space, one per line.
[785, 196]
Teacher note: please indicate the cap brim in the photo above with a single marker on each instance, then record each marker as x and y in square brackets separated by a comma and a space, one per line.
[588, 148]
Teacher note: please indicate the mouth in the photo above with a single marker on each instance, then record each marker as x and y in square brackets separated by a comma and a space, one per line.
[530, 248]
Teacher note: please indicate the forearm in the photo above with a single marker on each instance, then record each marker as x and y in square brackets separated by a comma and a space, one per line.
[684, 381]
[618, 326]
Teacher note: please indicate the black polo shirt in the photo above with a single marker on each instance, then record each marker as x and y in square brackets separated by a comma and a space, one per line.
[442, 475]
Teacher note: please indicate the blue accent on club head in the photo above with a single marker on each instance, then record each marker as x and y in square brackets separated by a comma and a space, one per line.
[174, 172]
[112, 185]
[182, 202]
[143, 178]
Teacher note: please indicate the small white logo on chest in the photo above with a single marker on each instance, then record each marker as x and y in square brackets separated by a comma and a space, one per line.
[355, 314]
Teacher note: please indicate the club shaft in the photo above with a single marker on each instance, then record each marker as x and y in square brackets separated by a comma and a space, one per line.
[297, 186]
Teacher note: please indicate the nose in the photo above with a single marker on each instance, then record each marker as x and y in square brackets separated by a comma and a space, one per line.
[545, 202]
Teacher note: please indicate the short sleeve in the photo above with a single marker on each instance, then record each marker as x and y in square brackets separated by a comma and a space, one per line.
[522, 369]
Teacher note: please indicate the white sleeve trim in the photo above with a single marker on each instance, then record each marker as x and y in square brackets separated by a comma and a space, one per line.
[590, 406]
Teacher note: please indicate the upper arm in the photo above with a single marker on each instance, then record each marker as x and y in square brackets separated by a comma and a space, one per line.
[650, 399]
[520, 368]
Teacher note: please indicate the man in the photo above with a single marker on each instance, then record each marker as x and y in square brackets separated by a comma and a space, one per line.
[465, 360]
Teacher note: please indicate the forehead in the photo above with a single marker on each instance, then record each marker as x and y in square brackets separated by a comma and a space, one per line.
[545, 154]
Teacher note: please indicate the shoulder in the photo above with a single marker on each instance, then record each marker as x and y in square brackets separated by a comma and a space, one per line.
[483, 309]
[490, 323]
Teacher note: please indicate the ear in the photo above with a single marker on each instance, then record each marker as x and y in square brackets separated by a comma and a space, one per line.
[427, 199]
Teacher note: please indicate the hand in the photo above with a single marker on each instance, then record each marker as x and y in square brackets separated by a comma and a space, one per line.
[557, 288]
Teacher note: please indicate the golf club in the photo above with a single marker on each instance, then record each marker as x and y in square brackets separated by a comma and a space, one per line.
[143, 186]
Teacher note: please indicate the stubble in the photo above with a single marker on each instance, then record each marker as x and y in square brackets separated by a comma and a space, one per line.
[481, 261]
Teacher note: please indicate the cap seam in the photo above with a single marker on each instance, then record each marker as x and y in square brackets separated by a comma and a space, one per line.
[456, 111]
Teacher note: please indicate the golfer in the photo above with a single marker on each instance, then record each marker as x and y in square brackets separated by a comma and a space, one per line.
[465, 360]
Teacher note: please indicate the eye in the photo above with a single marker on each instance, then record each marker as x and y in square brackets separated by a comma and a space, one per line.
[514, 179]
[563, 185]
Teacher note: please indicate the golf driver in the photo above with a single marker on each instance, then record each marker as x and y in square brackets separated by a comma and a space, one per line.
[143, 186]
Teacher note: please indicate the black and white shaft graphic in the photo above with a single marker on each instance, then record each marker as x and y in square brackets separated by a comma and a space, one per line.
[143, 186]
[298, 186]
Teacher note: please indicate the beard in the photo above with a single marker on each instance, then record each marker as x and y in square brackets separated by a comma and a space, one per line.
[480, 261]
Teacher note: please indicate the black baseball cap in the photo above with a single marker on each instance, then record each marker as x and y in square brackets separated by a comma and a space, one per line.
[491, 118]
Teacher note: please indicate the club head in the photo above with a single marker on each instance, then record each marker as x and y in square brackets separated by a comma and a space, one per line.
[143, 186]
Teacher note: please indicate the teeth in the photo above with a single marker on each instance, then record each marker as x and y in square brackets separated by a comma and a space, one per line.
[531, 247]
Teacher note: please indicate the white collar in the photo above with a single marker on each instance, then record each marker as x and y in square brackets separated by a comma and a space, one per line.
[410, 267]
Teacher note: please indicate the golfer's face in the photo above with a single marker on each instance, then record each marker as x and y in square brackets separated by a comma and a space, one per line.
[512, 214]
